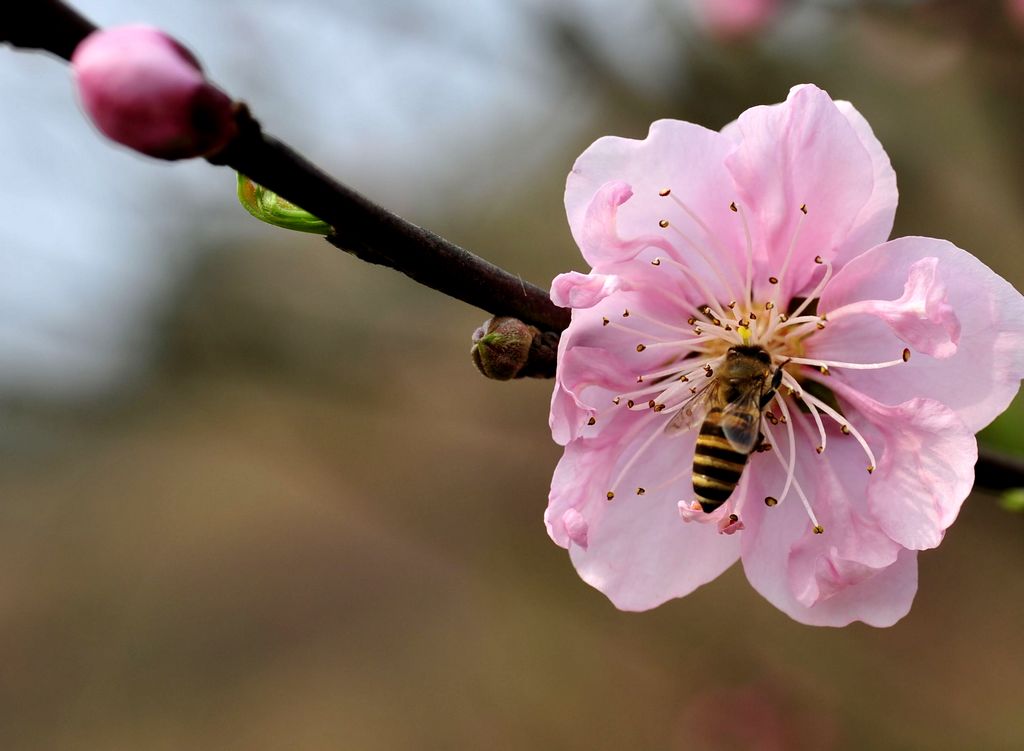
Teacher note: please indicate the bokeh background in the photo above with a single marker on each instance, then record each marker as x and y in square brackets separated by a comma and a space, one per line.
[253, 494]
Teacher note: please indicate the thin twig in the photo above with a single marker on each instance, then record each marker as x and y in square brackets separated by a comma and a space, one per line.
[374, 234]
[45, 25]
[998, 471]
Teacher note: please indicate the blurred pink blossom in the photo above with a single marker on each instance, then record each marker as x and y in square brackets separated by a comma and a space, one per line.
[144, 90]
[770, 233]
[735, 19]
[1015, 10]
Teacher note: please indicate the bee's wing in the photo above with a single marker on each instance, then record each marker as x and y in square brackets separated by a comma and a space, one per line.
[692, 412]
[741, 420]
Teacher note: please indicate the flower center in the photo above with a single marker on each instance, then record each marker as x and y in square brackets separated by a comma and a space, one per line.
[677, 391]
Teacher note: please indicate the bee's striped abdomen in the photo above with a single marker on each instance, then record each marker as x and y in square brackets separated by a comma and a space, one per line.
[717, 466]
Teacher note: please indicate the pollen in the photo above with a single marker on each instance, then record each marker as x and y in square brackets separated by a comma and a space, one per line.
[663, 223]
[819, 530]
[609, 495]
[773, 280]
[641, 491]
[906, 355]
[733, 207]
[641, 347]
[664, 192]
[769, 501]
[592, 420]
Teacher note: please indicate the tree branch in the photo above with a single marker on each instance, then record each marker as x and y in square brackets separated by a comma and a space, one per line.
[45, 25]
[374, 234]
[997, 471]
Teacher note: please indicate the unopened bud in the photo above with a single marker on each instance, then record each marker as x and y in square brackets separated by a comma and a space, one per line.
[501, 347]
[269, 207]
[145, 91]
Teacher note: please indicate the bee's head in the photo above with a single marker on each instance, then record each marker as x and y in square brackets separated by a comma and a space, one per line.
[750, 351]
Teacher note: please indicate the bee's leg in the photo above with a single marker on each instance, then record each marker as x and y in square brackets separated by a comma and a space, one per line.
[768, 395]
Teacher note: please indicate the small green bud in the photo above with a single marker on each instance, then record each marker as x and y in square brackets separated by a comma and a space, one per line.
[271, 208]
[501, 347]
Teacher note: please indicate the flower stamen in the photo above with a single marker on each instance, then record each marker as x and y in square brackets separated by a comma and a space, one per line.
[749, 300]
[904, 357]
[799, 394]
[777, 281]
[655, 435]
[790, 476]
[845, 427]
[715, 244]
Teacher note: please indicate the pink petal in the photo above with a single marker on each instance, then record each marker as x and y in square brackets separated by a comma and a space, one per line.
[925, 471]
[600, 240]
[575, 527]
[874, 221]
[853, 571]
[921, 316]
[576, 290]
[802, 152]
[588, 379]
[639, 553]
[614, 207]
[978, 381]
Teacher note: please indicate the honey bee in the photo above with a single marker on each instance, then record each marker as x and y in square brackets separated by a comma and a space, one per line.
[729, 410]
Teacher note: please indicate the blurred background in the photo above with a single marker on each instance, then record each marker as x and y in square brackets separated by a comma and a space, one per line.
[253, 494]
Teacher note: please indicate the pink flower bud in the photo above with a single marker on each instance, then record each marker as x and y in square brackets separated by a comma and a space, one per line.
[144, 90]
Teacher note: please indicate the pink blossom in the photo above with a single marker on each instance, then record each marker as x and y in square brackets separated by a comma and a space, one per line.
[770, 234]
[1015, 10]
[144, 90]
[734, 19]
